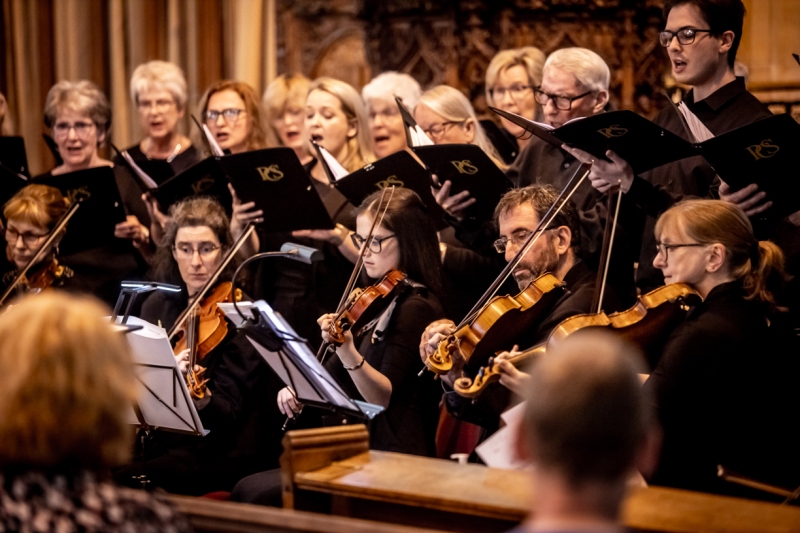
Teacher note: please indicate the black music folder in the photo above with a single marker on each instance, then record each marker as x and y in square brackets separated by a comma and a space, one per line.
[467, 167]
[643, 144]
[10, 184]
[763, 152]
[102, 209]
[205, 178]
[13, 157]
[275, 180]
[399, 169]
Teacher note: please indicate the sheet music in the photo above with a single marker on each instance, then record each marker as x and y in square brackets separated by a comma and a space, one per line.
[331, 392]
[212, 142]
[499, 450]
[337, 169]
[419, 137]
[151, 184]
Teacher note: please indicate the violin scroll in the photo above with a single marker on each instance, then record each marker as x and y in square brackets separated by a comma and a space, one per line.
[196, 383]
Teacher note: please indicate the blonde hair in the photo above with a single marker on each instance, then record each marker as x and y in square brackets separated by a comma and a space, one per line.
[5, 118]
[38, 205]
[359, 147]
[760, 265]
[528, 57]
[453, 106]
[81, 97]
[257, 137]
[66, 385]
[285, 91]
[159, 76]
[588, 68]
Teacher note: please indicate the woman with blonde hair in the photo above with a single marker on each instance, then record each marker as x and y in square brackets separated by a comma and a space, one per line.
[66, 389]
[284, 103]
[719, 383]
[511, 77]
[158, 91]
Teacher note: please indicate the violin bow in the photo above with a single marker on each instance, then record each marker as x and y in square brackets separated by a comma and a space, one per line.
[565, 195]
[359, 264]
[248, 231]
[605, 254]
[59, 227]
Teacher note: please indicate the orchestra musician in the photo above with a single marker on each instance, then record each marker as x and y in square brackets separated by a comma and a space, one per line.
[237, 406]
[284, 103]
[724, 384]
[79, 115]
[556, 252]
[158, 91]
[66, 392]
[511, 77]
[336, 119]
[31, 215]
[379, 363]
[386, 123]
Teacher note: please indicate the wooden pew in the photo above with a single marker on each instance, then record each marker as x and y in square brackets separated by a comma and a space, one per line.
[208, 515]
[332, 470]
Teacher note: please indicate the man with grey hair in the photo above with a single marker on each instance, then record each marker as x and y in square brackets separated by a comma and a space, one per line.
[588, 426]
[385, 122]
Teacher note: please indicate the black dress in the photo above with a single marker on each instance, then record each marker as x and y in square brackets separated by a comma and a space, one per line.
[302, 293]
[723, 392]
[242, 417]
[181, 162]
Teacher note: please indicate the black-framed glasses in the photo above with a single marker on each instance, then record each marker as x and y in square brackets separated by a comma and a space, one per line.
[436, 131]
[206, 251]
[375, 245]
[516, 91]
[684, 35]
[230, 115]
[28, 237]
[663, 249]
[564, 103]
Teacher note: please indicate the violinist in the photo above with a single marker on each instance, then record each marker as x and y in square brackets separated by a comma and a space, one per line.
[379, 363]
[556, 252]
[30, 216]
[725, 381]
[236, 405]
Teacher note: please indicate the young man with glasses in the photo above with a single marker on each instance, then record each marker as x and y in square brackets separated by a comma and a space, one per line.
[701, 38]
[518, 213]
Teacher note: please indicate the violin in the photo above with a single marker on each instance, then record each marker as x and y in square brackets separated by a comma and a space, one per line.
[364, 306]
[647, 324]
[494, 323]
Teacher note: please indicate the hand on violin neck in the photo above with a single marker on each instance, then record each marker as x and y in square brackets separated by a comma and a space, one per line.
[182, 360]
[510, 376]
[325, 323]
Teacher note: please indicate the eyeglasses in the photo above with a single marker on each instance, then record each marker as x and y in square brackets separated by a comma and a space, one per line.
[517, 239]
[82, 129]
[386, 113]
[375, 246]
[30, 239]
[516, 91]
[206, 251]
[663, 249]
[684, 35]
[159, 105]
[564, 103]
[230, 115]
[436, 131]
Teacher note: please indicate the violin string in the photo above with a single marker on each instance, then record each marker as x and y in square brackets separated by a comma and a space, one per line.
[548, 217]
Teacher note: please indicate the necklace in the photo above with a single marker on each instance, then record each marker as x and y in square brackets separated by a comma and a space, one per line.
[170, 157]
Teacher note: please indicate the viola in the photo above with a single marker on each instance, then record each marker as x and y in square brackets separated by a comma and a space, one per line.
[365, 305]
[499, 323]
[647, 324]
[204, 330]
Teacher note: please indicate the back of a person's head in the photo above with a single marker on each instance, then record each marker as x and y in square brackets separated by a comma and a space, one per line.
[66, 385]
[586, 415]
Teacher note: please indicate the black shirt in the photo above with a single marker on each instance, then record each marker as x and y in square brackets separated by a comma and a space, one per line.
[730, 107]
[181, 162]
[408, 425]
[242, 417]
[723, 391]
